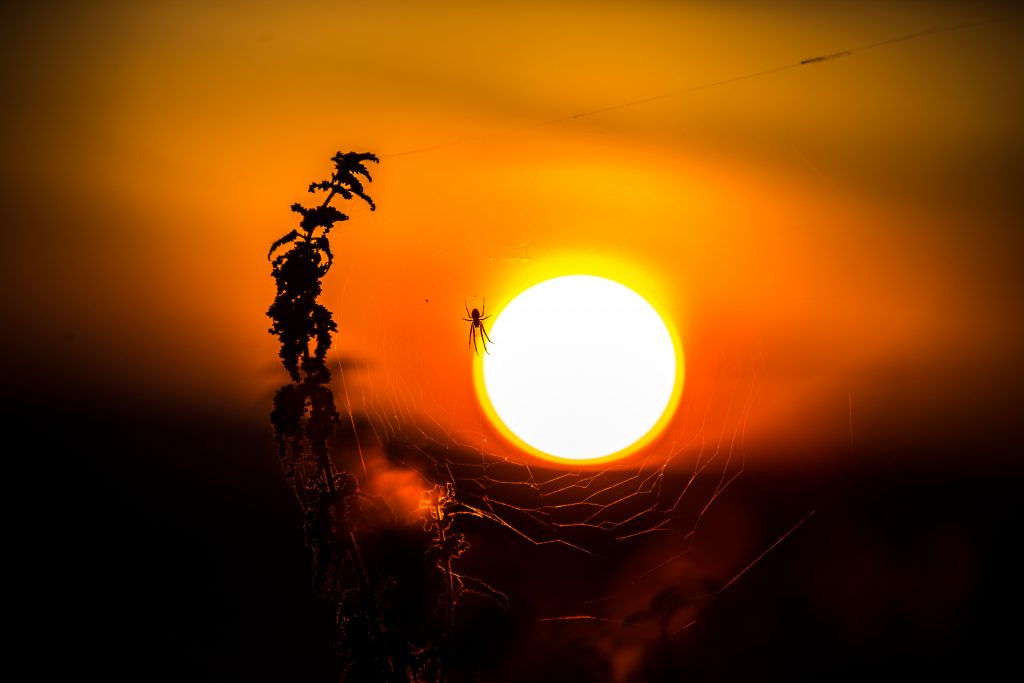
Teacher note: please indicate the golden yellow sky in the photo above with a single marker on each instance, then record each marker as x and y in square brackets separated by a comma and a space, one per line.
[837, 243]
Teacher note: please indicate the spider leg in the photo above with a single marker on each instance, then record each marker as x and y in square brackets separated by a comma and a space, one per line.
[466, 306]
[484, 335]
[484, 309]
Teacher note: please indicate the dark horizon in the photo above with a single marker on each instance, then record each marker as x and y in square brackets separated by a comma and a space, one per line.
[180, 552]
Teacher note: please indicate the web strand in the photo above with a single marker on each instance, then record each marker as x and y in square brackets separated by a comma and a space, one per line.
[809, 61]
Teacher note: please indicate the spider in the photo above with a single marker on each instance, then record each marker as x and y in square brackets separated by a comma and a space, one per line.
[477, 319]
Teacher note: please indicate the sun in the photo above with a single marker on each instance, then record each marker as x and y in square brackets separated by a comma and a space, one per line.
[582, 369]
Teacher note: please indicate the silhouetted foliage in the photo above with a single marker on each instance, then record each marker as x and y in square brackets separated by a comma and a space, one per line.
[298, 318]
[394, 606]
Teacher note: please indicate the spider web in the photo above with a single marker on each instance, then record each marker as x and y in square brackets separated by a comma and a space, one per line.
[629, 525]
[661, 496]
[633, 528]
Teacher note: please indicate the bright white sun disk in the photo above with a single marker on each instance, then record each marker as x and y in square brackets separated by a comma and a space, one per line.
[581, 367]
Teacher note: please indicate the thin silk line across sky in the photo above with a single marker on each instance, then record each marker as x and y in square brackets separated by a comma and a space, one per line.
[704, 86]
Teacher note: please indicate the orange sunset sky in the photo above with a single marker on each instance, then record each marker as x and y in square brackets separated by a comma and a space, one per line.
[837, 243]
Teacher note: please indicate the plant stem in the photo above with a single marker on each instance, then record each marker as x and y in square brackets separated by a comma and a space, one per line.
[449, 631]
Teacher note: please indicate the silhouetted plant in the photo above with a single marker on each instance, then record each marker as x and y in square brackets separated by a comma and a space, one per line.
[379, 636]
[304, 414]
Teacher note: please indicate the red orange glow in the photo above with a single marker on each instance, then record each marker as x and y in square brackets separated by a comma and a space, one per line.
[812, 233]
